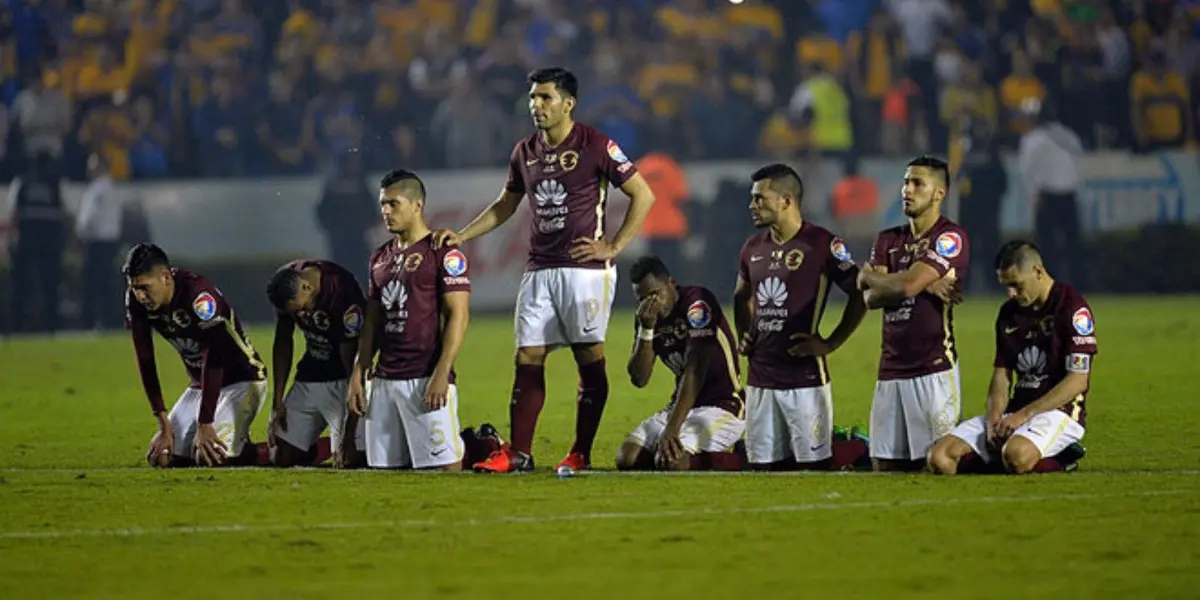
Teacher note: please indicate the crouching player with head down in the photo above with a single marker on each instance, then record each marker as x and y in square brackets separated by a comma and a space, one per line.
[210, 423]
[685, 328]
[1045, 338]
[325, 301]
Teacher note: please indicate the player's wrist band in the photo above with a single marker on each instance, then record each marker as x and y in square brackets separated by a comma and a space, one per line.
[646, 335]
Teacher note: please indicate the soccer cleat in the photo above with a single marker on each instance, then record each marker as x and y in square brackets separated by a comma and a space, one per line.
[505, 460]
[859, 432]
[575, 462]
[840, 434]
[488, 432]
[1070, 456]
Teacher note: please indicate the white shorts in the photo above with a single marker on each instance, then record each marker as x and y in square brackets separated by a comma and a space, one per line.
[1051, 431]
[313, 405]
[401, 433]
[237, 406]
[795, 423]
[909, 415]
[563, 306]
[705, 429]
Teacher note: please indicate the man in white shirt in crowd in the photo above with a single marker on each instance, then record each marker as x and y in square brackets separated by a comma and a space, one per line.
[1048, 159]
[98, 228]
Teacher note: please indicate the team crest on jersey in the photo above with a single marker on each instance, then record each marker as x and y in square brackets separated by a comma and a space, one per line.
[699, 314]
[614, 151]
[205, 306]
[320, 320]
[455, 263]
[949, 244]
[838, 248]
[181, 318]
[352, 320]
[412, 262]
[569, 160]
[1082, 320]
[793, 259]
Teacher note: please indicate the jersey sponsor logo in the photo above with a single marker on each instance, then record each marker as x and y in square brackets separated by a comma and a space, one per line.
[949, 244]
[352, 320]
[1031, 366]
[205, 306]
[699, 314]
[614, 151]
[1079, 363]
[394, 296]
[1083, 322]
[550, 191]
[455, 263]
[838, 248]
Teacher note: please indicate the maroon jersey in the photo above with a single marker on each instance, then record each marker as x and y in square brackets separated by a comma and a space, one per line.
[409, 283]
[198, 321]
[1039, 347]
[696, 322]
[918, 335]
[336, 317]
[566, 186]
[791, 286]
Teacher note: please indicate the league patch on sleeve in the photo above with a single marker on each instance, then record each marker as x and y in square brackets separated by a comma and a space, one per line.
[455, 263]
[1083, 322]
[699, 314]
[614, 152]
[352, 320]
[205, 306]
[838, 248]
[1079, 363]
[949, 244]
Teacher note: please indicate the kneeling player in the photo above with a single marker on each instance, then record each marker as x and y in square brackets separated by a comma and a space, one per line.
[685, 328]
[326, 302]
[210, 423]
[1045, 336]
[417, 303]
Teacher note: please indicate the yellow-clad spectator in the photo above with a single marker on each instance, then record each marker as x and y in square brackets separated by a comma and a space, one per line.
[94, 22]
[665, 82]
[481, 24]
[103, 77]
[1017, 90]
[759, 18]
[690, 20]
[819, 49]
[875, 63]
[971, 97]
[109, 132]
[783, 136]
[1159, 103]
[1140, 31]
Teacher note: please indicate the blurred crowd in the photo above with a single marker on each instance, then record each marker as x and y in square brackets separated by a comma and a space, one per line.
[234, 88]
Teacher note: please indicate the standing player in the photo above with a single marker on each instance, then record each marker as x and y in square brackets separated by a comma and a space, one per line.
[210, 423]
[912, 274]
[417, 314]
[326, 302]
[685, 328]
[783, 284]
[567, 290]
[1045, 336]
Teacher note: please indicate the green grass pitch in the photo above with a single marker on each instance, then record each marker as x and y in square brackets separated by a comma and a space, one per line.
[81, 516]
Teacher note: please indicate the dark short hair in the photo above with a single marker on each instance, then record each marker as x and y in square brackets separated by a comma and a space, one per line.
[784, 179]
[647, 266]
[144, 258]
[283, 286]
[936, 164]
[406, 182]
[1018, 253]
[562, 79]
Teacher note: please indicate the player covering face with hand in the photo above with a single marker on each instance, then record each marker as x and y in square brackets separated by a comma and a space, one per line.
[685, 328]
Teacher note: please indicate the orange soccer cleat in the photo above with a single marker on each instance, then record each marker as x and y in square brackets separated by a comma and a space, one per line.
[574, 461]
[505, 460]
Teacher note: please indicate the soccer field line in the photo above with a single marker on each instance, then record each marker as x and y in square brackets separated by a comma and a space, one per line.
[587, 516]
[590, 473]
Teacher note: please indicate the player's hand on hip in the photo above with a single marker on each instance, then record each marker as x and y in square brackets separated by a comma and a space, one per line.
[210, 449]
[356, 398]
[446, 237]
[437, 392]
[670, 450]
[587, 250]
[809, 344]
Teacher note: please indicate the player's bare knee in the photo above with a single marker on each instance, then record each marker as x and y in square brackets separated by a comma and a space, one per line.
[1020, 455]
[532, 355]
[586, 354]
[627, 456]
[942, 459]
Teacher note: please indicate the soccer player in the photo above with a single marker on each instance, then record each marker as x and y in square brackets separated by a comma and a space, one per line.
[1045, 344]
[782, 287]
[914, 275]
[210, 422]
[326, 302]
[417, 314]
[685, 328]
[567, 291]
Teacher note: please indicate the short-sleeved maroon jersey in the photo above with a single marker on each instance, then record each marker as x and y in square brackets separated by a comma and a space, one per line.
[918, 335]
[336, 317]
[567, 187]
[198, 319]
[1039, 347]
[697, 322]
[410, 284]
[791, 287]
